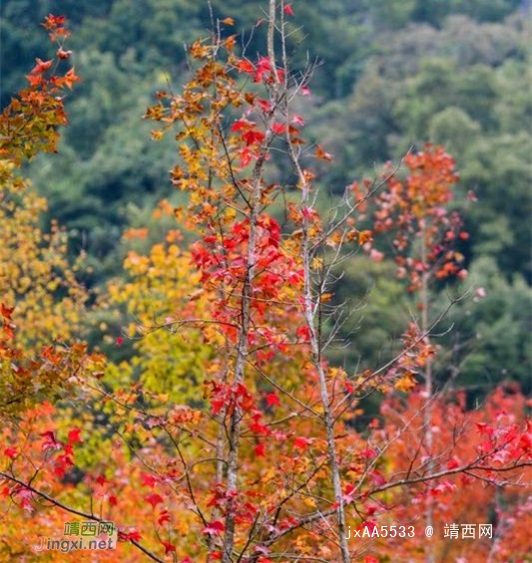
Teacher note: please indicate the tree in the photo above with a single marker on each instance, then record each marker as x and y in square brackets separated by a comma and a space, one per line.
[36, 275]
[264, 461]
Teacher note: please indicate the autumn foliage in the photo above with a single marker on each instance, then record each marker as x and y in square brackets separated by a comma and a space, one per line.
[225, 434]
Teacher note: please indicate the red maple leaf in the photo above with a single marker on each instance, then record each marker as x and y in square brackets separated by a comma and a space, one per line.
[168, 547]
[452, 463]
[301, 442]
[241, 124]
[154, 499]
[132, 535]
[216, 405]
[50, 443]
[303, 333]
[163, 517]
[10, 451]
[263, 67]
[101, 480]
[252, 136]
[272, 399]
[297, 119]
[213, 528]
[148, 480]
[367, 453]
[483, 428]
[73, 435]
[243, 65]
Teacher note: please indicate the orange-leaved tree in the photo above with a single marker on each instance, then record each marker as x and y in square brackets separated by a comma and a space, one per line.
[41, 299]
[35, 274]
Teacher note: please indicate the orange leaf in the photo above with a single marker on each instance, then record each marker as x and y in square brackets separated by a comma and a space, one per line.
[70, 78]
[321, 154]
[229, 43]
[62, 54]
[6, 312]
[34, 79]
[41, 66]
[243, 65]
[364, 236]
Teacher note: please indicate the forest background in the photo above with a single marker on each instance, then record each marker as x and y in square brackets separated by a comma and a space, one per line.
[389, 76]
[393, 74]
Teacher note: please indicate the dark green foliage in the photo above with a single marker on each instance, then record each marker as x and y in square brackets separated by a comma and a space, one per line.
[490, 341]
[392, 75]
[374, 310]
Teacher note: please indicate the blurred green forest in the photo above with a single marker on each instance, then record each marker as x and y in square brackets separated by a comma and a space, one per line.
[390, 75]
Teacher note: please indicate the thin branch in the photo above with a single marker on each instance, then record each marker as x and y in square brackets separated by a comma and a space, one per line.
[72, 510]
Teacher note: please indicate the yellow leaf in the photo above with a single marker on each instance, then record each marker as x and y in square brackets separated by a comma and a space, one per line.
[405, 383]
[156, 134]
[310, 502]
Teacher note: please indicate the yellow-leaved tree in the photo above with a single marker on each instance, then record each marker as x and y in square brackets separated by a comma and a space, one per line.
[36, 276]
[161, 291]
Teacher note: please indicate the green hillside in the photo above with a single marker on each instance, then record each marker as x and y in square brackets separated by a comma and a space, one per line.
[389, 75]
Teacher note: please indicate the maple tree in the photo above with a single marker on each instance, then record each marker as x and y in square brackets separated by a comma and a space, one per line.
[502, 501]
[29, 123]
[228, 436]
[36, 276]
[424, 238]
[35, 273]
